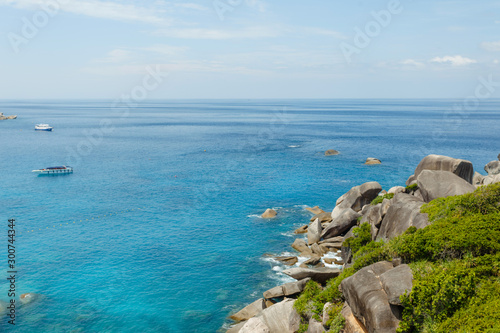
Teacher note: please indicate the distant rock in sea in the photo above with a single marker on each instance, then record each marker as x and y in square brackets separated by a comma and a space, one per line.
[331, 152]
[269, 213]
[2, 117]
[372, 160]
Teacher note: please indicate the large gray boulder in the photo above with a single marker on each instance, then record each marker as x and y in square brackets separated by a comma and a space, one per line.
[403, 213]
[461, 168]
[439, 184]
[320, 275]
[356, 198]
[281, 317]
[287, 289]
[368, 300]
[397, 282]
[249, 311]
[342, 223]
[314, 232]
[492, 168]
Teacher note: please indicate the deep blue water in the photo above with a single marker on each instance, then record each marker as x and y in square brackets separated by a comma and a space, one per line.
[157, 229]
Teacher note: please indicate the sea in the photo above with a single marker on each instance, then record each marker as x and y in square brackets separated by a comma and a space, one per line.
[158, 228]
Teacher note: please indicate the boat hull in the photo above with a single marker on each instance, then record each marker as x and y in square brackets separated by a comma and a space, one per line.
[44, 129]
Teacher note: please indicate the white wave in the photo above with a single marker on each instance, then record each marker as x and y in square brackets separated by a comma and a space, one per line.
[255, 216]
[294, 146]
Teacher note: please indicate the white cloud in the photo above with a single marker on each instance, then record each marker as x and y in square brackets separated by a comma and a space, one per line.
[491, 46]
[94, 8]
[412, 62]
[198, 33]
[457, 60]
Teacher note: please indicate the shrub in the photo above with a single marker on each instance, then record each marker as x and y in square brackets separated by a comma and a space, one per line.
[411, 188]
[362, 236]
[336, 321]
[437, 295]
[381, 198]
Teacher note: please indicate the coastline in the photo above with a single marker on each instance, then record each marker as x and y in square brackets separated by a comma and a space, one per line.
[326, 253]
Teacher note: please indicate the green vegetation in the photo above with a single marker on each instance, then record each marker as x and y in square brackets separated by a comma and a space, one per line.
[411, 188]
[455, 263]
[381, 198]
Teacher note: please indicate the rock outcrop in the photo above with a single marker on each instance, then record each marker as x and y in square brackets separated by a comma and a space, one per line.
[301, 246]
[357, 197]
[459, 167]
[403, 213]
[287, 289]
[281, 317]
[314, 232]
[320, 275]
[397, 282]
[249, 311]
[439, 184]
[368, 300]
[352, 324]
[492, 168]
[342, 223]
[254, 325]
[315, 210]
[322, 217]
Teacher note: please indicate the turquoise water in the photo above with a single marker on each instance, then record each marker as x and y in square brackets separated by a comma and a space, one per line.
[157, 230]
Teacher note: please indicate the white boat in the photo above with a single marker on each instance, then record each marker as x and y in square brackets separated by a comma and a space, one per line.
[58, 170]
[43, 127]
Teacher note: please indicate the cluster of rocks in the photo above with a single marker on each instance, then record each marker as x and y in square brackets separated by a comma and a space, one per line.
[2, 117]
[372, 294]
[369, 160]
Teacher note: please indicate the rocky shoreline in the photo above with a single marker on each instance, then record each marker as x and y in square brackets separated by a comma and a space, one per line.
[372, 294]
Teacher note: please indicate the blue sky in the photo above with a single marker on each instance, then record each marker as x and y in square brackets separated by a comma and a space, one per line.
[248, 48]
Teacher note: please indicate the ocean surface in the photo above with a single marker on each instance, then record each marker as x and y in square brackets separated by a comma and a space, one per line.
[158, 228]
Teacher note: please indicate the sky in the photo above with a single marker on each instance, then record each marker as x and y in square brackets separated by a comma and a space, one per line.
[218, 49]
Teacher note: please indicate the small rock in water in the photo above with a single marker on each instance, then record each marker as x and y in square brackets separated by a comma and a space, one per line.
[269, 213]
[331, 152]
[372, 160]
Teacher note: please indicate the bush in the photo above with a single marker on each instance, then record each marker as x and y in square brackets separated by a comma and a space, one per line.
[362, 236]
[381, 198]
[411, 188]
[336, 321]
[437, 295]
